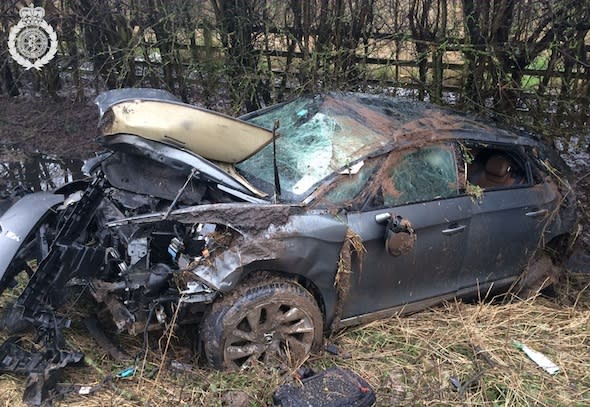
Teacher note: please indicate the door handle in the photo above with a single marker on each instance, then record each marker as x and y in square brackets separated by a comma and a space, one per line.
[535, 214]
[452, 230]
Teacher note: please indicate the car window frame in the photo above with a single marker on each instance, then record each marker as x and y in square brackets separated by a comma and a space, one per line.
[450, 144]
[512, 150]
[317, 199]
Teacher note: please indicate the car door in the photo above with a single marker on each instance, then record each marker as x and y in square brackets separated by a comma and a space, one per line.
[421, 186]
[507, 217]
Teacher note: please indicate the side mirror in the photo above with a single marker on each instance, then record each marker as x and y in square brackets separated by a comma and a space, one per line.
[399, 236]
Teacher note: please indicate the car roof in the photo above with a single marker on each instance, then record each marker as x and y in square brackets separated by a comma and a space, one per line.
[402, 121]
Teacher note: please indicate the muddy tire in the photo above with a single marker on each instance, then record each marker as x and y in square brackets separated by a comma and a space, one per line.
[273, 322]
[540, 274]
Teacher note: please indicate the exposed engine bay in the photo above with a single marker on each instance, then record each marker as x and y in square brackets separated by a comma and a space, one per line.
[140, 272]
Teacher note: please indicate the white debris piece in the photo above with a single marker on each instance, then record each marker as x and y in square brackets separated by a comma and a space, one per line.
[537, 357]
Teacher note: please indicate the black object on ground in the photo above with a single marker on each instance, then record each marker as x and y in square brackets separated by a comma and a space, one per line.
[336, 387]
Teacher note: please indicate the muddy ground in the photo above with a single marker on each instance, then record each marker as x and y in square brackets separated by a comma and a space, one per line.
[63, 128]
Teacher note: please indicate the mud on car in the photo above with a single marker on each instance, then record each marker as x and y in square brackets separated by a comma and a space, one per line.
[269, 231]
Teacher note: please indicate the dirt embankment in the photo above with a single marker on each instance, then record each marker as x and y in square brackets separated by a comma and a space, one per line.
[63, 128]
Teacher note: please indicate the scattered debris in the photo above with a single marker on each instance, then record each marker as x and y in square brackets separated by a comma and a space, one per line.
[127, 372]
[333, 350]
[303, 373]
[181, 367]
[471, 383]
[43, 366]
[62, 390]
[463, 386]
[537, 357]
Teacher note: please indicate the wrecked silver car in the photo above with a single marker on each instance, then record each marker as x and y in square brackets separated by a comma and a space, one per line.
[271, 230]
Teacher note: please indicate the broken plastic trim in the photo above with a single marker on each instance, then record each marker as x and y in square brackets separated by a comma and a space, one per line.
[43, 366]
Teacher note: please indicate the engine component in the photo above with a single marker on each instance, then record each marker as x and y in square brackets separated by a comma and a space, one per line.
[176, 246]
[161, 316]
[137, 249]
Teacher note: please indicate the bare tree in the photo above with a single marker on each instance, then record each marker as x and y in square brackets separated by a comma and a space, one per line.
[428, 25]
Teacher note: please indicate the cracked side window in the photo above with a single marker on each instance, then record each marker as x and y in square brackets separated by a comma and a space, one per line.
[417, 175]
[346, 190]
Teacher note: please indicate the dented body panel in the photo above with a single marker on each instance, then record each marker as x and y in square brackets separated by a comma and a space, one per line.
[305, 246]
[386, 281]
[19, 222]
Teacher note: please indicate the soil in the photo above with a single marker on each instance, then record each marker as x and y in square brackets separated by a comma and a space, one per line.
[57, 127]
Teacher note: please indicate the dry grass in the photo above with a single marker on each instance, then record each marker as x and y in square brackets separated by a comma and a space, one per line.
[408, 361]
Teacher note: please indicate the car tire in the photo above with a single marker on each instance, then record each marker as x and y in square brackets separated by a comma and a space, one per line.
[539, 274]
[272, 322]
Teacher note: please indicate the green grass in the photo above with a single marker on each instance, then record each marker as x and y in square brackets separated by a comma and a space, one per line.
[531, 82]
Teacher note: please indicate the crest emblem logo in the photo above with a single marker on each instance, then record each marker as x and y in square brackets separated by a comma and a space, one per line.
[32, 43]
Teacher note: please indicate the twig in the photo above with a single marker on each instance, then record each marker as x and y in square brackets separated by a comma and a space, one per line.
[168, 340]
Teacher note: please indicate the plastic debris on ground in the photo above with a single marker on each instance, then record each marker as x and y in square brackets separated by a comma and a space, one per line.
[541, 360]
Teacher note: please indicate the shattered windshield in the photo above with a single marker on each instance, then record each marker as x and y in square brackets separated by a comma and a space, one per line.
[318, 136]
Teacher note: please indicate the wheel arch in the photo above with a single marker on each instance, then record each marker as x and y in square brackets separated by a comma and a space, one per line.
[560, 246]
[260, 270]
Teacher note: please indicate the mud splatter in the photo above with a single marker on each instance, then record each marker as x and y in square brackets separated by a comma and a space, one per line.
[352, 244]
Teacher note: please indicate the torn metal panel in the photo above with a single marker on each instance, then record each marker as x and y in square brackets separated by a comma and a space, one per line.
[241, 216]
[42, 366]
[293, 247]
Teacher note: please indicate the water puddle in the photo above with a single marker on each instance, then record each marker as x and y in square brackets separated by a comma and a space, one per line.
[35, 171]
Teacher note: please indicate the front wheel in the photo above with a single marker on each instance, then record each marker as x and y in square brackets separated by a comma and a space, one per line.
[269, 322]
